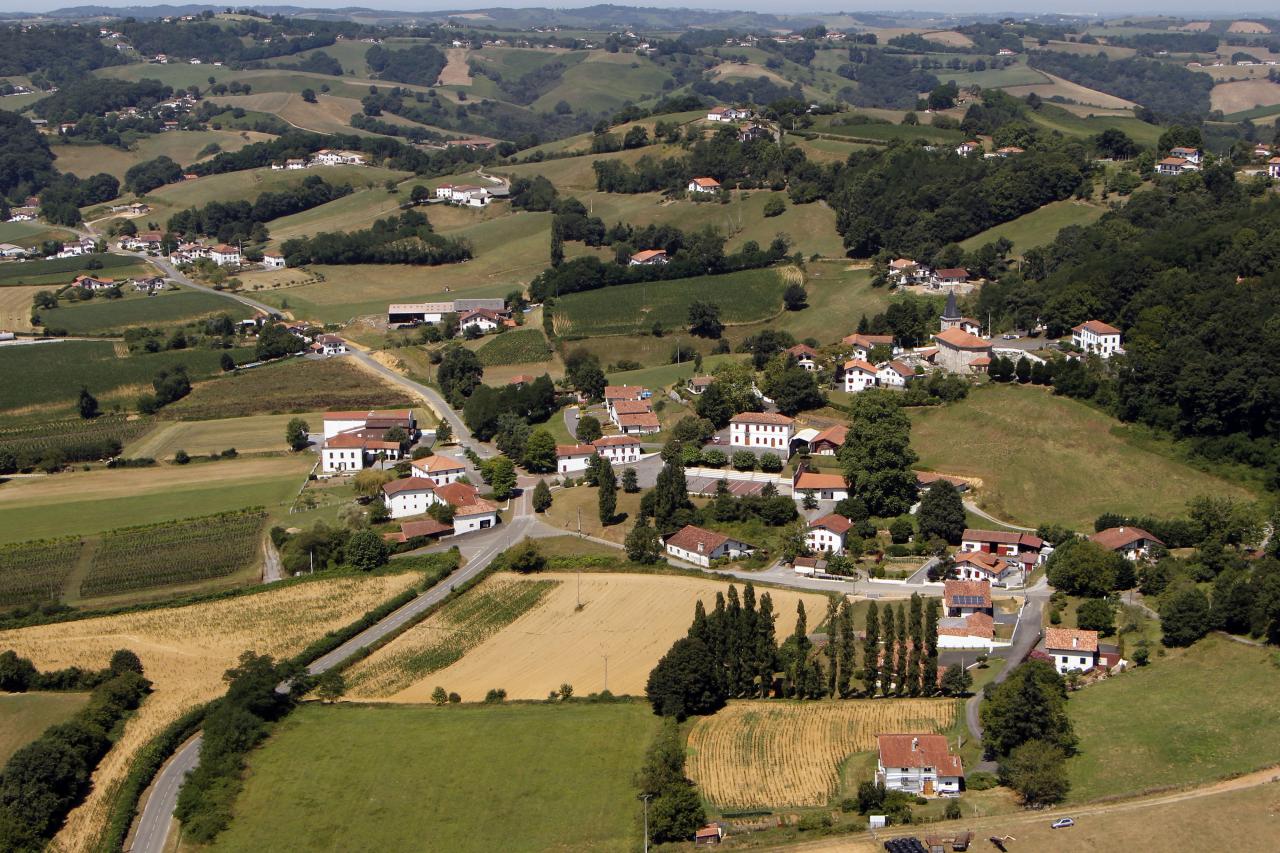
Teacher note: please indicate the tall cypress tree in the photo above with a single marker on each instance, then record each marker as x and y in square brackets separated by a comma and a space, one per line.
[848, 648]
[890, 651]
[607, 499]
[915, 624]
[902, 659]
[700, 629]
[670, 496]
[766, 645]
[747, 641]
[800, 666]
[733, 648]
[833, 646]
[871, 650]
[929, 677]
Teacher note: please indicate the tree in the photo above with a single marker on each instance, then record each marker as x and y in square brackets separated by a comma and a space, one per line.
[459, 373]
[792, 388]
[1096, 614]
[444, 432]
[540, 452]
[676, 814]
[877, 456]
[526, 558]
[670, 504]
[502, 477]
[588, 429]
[296, 434]
[369, 482]
[607, 498]
[439, 697]
[541, 497]
[775, 206]
[871, 650]
[704, 319]
[1029, 705]
[956, 681]
[794, 298]
[1037, 771]
[87, 404]
[642, 544]
[686, 681]
[941, 513]
[125, 660]
[330, 686]
[226, 362]
[901, 529]
[714, 405]
[309, 95]
[630, 481]
[1083, 567]
[366, 550]
[1184, 616]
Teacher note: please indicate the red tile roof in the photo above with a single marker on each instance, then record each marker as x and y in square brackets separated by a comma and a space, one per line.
[615, 441]
[1070, 639]
[987, 562]
[960, 339]
[624, 392]
[640, 419]
[631, 407]
[409, 484]
[832, 434]
[867, 341]
[837, 524]
[1115, 538]
[648, 255]
[460, 495]
[575, 449]
[689, 538]
[954, 272]
[977, 589]
[1002, 537]
[1097, 327]
[810, 480]
[919, 750]
[860, 365]
[425, 527]
[706, 182]
[345, 440]
[761, 418]
[803, 349]
[436, 462]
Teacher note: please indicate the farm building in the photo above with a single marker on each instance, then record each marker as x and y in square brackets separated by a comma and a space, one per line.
[762, 429]
[1071, 648]
[442, 469]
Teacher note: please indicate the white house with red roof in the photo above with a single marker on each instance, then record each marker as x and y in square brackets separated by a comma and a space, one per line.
[894, 374]
[858, 376]
[224, 255]
[828, 534]
[1191, 155]
[412, 496]
[614, 394]
[972, 146]
[639, 423]
[829, 441]
[964, 598]
[723, 113]
[329, 345]
[1071, 649]
[768, 430]
[649, 258]
[704, 185]
[1273, 168]
[700, 546]
[1095, 336]
[484, 319]
[920, 764]
[618, 449]
[861, 344]
[950, 277]
[805, 356]
[1133, 542]
[980, 567]
[442, 469]
[975, 631]
[572, 458]
[823, 487]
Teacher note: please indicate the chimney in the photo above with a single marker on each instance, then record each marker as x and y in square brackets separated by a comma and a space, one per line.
[1075, 642]
[702, 547]
[915, 744]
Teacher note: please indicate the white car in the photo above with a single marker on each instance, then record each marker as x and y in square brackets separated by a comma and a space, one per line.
[1063, 823]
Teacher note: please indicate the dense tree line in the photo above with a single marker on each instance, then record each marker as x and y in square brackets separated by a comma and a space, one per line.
[1168, 89]
[1025, 727]
[675, 809]
[45, 779]
[26, 163]
[241, 41]
[406, 239]
[316, 63]
[486, 407]
[884, 80]
[240, 220]
[420, 65]
[1206, 42]
[53, 54]
[95, 96]
[148, 175]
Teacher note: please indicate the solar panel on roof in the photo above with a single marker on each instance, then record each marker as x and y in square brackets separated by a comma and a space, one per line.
[968, 599]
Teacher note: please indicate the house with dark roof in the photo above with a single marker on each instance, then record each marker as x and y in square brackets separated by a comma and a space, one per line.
[920, 764]
[700, 546]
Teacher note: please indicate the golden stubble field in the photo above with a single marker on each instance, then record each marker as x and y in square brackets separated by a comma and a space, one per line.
[631, 618]
[788, 754]
[185, 651]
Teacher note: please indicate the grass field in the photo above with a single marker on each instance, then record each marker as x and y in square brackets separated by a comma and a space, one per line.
[185, 651]
[31, 233]
[778, 755]
[1056, 86]
[183, 146]
[290, 387]
[254, 434]
[1194, 715]
[105, 317]
[1046, 459]
[349, 213]
[604, 81]
[519, 346]
[1058, 118]
[1039, 227]
[25, 716]
[53, 373]
[78, 502]
[893, 132]
[59, 271]
[15, 308]
[632, 618]
[1244, 95]
[743, 297]
[993, 78]
[517, 777]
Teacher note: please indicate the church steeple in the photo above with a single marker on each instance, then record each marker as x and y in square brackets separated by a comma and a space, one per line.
[952, 311]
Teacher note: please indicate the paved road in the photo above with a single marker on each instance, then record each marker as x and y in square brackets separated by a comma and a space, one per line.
[172, 272]
[460, 431]
[571, 414]
[157, 815]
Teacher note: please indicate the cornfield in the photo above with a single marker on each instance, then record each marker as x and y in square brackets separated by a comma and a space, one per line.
[193, 549]
[788, 754]
[32, 572]
[185, 651]
[445, 636]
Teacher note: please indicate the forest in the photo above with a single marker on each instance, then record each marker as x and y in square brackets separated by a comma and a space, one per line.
[419, 65]
[1169, 90]
[92, 96]
[406, 239]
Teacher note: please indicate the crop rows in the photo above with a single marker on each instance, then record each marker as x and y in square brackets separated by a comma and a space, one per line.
[192, 549]
[46, 435]
[754, 754]
[523, 346]
[32, 572]
[447, 635]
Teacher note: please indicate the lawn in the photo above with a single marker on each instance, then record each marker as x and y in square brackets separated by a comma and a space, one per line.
[1193, 715]
[743, 297]
[1047, 459]
[105, 317]
[53, 373]
[25, 716]
[517, 777]
[254, 434]
[1039, 227]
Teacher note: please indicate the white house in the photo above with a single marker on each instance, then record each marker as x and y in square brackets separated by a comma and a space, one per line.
[9, 250]
[762, 429]
[409, 496]
[920, 764]
[727, 114]
[805, 356]
[1095, 336]
[295, 164]
[977, 566]
[639, 423]
[618, 449]
[1133, 542]
[383, 419]
[704, 185]
[699, 546]
[894, 374]
[442, 469]
[964, 149]
[1175, 166]
[572, 458]
[1273, 168]
[861, 345]
[824, 487]
[224, 255]
[329, 345]
[481, 318]
[330, 157]
[827, 534]
[975, 631]
[1191, 155]
[1071, 648]
[1004, 543]
[272, 261]
[964, 598]
[649, 258]
[615, 394]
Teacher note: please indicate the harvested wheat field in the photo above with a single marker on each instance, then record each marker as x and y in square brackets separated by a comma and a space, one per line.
[788, 754]
[15, 307]
[1073, 92]
[185, 651]
[456, 72]
[1244, 95]
[1248, 27]
[631, 618]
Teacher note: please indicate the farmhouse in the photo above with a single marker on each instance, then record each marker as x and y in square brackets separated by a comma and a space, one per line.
[330, 157]
[1133, 542]
[727, 114]
[1095, 336]
[805, 356]
[409, 496]
[704, 185]
[1071, 648]
[329, 345]
[442, 469]
[618, 449]
[698, 384]
[649, 258]
[88, 282]
[349, 452]
[484, 319]
[225, 256]
[340, 422]
[415, 495]
[615, 394]
[1004, 543]
[894, 374]
[964, 149]
[829, 441]
[919, 764]
[903, 271]
[1273, 168]
[964, 598]
[9, 250]
[272, 261]
[399, 313]
[572, 458]
[1191, 155]
[464, 194]
[149, 285]
[827, 534]
[858, 375]
[979, 567]
[862, 345]
[752, 132]
[1175, 166]
[975, 631]
[639, 423]
[958, 351]
[698, 546]
[762, 429]
[949, 277]
[824, 487]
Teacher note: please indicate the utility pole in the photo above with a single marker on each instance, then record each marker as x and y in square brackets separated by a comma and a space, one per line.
[606, 671]
[646, 798]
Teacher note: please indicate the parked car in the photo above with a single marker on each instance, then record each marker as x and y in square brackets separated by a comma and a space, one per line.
[1063, 823]
[1009, 336]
